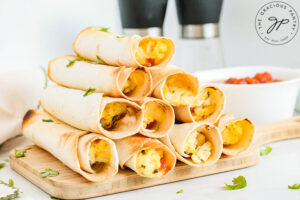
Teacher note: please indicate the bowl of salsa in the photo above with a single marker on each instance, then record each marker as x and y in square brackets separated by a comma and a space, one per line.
[262, 93]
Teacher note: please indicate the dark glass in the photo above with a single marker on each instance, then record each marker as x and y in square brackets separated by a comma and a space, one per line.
[198, 11]
[142, 13]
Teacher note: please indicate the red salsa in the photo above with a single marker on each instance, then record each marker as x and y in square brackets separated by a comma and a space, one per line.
[265, 77]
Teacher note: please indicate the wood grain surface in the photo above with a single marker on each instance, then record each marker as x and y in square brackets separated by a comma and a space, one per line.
[70, 185]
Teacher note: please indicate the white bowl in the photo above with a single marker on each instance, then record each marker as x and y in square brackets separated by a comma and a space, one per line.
[262, 103]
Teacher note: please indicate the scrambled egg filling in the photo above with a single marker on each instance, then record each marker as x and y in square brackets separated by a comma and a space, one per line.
[112, 113]
[99, 154]
[154, 115]
[136, 79]
[205, 104]
[148, 162]
[177, 90]
[152, 52]
[197, 147]
[233, 132]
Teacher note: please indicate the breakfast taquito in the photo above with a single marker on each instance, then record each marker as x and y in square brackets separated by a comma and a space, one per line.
[237, 133]
[74, 72]
[158, 119]
[196, 144]
[113, 117]
[146, 156]
[91, 155]
[100, 45]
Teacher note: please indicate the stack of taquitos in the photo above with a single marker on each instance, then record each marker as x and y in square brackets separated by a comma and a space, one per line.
[117, 100]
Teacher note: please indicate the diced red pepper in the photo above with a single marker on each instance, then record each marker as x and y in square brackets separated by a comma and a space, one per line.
[163, 164]
[150, 61]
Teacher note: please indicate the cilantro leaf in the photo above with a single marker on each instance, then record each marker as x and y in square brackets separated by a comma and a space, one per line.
[49, 173]
[47, 120]
[294, 187]
[54, 198]
[71, 62]
[19, 153]
[2, 165]
[11, 182]
[266, 151]
[89, 91]
[99, 60]
[238, 183]
[180, 191]
[103, 29]
[6, 160]
[120, 36]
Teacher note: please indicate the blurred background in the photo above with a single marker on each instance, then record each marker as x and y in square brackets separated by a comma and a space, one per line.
[32, 32]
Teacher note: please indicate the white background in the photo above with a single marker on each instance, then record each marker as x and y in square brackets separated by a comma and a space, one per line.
[34, 31]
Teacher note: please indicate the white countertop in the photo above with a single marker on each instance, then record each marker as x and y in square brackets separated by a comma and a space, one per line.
[269, 179]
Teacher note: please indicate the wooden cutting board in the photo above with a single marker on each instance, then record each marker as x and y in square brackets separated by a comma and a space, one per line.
[70, 185]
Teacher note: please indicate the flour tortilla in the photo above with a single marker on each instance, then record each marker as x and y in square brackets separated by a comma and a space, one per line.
[175, 140]
[111, 49]
[84, 112]
[69, 145]
[245, 142]
[129, 147]
[166, 125]
[105, 79]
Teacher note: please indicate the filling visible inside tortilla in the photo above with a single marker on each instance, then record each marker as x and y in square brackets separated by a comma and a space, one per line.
[113, 114]
[197, 147]
[135, 81]
[205, 104]
[178, 90]
[99, 154]
[154, 115]
[152, 163]
[233, 132]
[152, 52]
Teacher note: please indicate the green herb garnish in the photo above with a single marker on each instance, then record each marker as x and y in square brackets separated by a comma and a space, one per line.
[143, 152]
[120, 36]
[89, 91]
[266, 151]
[49, 173]
[2, 165]
[54, 198]
[19, 153]
[47, 120]
[6, 160]
[99, 60]
[71, 62]
[143, 166]
[294, 187]
[155, 171]
[11, 182]
[180, 191]
[238, 183]
[103, 29]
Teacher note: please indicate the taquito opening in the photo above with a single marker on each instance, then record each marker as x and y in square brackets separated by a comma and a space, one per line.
[119, 116]
[197, 145]
[136, 84]
[154, 116]
[99, 155]
[153, 51]
[153, 162]
[236, 133]
[207, 103]
[179, 89]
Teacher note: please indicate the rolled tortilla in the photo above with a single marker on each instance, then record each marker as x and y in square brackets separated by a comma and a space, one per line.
[146, 156]
[91, 155]
[113, 117]
[175, 86]
[238, 134]
[196, 144]
[98, 44]
[131, 83]
[158, 119]
[207, 107]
